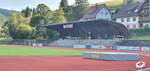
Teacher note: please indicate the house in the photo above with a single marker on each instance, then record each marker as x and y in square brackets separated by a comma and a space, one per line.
[129, 14]
[134, 15]
[98, 12]
[145, 14]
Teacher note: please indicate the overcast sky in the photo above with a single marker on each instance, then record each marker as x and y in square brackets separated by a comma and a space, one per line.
[22, 4]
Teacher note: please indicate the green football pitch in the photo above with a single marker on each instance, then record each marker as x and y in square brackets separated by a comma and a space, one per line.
[22, 51]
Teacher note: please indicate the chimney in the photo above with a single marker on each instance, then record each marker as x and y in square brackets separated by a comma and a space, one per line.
[96, 4]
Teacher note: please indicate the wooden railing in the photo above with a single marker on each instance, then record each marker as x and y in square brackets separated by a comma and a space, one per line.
[147, 4]
[145, 13]
[141, 19]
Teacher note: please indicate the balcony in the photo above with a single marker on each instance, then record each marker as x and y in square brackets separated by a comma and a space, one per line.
[141, 19]
[147, 4]
[147, 12]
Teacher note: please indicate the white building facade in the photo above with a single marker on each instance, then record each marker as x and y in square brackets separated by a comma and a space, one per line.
[98, 12]
[129, 15]
[104, 13]
[129, 22]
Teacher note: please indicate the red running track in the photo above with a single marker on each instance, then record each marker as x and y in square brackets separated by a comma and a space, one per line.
[65, 63]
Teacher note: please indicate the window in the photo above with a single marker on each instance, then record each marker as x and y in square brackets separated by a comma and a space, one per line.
[134, 26]
[129, 12]
[106, 14]
[141, 25]
[128, 19]
[122, 19]
[134, 18]
[128, 26]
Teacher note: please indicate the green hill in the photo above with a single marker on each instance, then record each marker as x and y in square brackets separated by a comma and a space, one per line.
[6, 12]
[115, 4]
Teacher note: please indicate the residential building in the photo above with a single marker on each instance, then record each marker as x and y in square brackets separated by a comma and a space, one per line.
[128, 15]
[145, 15]
[98, 12]
[135, 15]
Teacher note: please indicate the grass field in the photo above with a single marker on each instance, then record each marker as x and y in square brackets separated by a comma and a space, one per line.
[21, 51]
[140, 38]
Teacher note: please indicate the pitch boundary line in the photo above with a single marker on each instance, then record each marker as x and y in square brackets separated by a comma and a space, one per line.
[144, 69]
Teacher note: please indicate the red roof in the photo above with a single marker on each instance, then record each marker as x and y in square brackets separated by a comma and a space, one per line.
[93, 11]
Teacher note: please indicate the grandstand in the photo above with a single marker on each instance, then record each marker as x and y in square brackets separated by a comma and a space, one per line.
[90, 29]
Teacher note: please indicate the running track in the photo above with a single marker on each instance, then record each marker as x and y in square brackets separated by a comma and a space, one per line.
[66, 63]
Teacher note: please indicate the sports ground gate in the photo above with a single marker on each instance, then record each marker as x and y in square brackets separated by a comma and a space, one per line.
[90, 29]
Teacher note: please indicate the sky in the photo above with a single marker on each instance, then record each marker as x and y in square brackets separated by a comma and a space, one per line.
[18, 5]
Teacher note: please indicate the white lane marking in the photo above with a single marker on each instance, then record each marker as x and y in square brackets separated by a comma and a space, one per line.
[147, 69]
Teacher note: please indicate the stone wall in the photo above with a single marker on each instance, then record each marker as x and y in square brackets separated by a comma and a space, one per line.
[70, 43]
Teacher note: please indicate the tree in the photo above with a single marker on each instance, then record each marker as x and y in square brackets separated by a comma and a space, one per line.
[129, 1]
[125, 2]
[49, 14]
[58, 17]
[1, 33]
[81, 2]
[18, 29]
[68, 10]
[12, 24]
[23, 31]
[2, 19]
[27, 12]
[68, 13]
[81, 7]
[37, 21]
[5, 30]
[52, 35]
[20, 18]
[64, 4]
[34, 11]
[42, 9]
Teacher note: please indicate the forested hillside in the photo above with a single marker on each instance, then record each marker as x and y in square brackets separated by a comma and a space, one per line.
[115, 4]
[6, 12]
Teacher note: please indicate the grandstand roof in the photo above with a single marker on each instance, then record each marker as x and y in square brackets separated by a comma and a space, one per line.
[98, 28]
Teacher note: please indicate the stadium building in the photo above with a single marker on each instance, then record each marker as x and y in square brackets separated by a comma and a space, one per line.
[90, 29]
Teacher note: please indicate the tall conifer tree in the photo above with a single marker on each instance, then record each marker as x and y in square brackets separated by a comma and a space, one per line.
[81, 7]
[63, 3]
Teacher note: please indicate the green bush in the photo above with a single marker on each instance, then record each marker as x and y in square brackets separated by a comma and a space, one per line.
[37, 20]
[140, 32]
[23, 31]
[46, 34]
